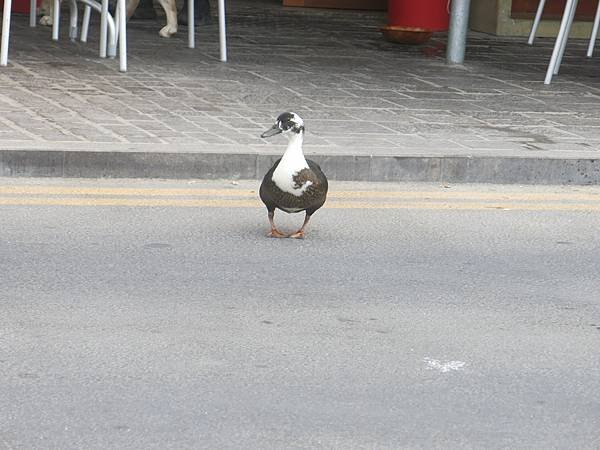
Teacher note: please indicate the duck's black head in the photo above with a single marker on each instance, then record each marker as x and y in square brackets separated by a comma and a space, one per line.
[288, 122]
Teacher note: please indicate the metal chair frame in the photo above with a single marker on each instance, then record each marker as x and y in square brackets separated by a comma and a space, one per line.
[113, 32]
[563, 35]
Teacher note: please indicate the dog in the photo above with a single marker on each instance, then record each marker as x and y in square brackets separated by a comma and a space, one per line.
[169, 6]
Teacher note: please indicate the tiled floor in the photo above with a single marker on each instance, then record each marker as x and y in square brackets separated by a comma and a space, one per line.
[357, 93]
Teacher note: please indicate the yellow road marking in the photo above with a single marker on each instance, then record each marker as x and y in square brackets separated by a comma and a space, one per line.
[231, 203]
[133, 192]
[248, 198]
[468, 206]
[462, 195]
[120, 201]
[402, 195]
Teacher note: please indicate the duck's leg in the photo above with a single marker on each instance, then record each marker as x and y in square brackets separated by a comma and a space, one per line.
[300, 233]
[274, 231]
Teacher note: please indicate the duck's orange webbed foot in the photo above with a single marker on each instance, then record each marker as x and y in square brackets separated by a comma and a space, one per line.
[275, 233]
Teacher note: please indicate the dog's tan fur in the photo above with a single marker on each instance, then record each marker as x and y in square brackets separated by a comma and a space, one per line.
[169, 6]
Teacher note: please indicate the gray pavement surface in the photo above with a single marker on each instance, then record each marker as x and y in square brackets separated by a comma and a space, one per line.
[407, 327]
[374, 110]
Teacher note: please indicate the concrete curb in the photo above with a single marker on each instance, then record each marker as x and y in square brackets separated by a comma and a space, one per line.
[443, 169]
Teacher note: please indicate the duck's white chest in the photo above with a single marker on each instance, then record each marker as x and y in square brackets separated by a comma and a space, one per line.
[288, 168]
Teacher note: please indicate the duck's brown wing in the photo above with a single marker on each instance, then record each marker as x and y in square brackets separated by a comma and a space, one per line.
[269, 193]
[316, 194]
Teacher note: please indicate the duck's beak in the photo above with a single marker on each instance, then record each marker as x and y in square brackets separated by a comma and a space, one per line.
[271, 131]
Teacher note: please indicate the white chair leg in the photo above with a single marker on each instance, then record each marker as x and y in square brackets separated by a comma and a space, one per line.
[122, 14]
[536, 21]
[85, 23]
[117, 24]
[103, 28]
[93, 4]
[222, 33]
[5, 32]
[32, 13]
[113, 34]
[566, 37]
[191, 24]
[594, 32]
[55, 19]
[559, 41]
[73, 20]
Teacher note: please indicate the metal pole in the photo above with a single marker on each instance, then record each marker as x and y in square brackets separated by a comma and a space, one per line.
[562, 36]
[73, 13]
[32, 13]
[536, 21]
[85, 23]
[55, 19]
[104, 27]
[5, 32]
[222, 32]
[112, 25]
[564, 42]
[594, 32]
[457, 34]
[122, 13]
[191, 24]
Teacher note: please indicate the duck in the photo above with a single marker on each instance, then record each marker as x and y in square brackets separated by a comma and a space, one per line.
[294, 183]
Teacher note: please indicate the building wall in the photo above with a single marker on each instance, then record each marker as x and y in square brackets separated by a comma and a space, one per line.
[343, 4]
[484, 16]
[494, 16]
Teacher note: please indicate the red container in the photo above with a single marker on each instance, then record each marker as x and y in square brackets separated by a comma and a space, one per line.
[22, 6]
[431, 15]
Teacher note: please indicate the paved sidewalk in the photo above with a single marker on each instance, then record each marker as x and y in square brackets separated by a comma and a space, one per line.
[374, 110]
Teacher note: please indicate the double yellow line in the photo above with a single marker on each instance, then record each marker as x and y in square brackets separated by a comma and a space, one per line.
[246, 198]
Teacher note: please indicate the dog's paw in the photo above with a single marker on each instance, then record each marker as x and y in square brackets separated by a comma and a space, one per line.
[46, 21]
[168, 31]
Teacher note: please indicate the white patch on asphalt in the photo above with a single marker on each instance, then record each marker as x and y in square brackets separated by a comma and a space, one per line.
[436, 364]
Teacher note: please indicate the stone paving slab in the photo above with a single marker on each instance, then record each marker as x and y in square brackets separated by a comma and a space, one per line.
[374, 110]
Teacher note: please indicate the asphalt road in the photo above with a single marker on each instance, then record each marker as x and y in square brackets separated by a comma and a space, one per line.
[158, 315]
